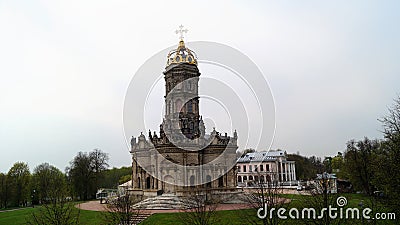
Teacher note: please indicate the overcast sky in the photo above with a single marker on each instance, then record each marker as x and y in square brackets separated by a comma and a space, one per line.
[65, 66]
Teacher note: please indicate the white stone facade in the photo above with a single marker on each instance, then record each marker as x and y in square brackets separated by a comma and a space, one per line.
[268, 166]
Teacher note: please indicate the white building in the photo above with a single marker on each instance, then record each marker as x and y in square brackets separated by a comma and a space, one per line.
[271, 166]
[328, 181]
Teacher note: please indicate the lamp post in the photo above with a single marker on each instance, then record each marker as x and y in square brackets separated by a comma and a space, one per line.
[33, 198]
[325, 186]
[361, 204]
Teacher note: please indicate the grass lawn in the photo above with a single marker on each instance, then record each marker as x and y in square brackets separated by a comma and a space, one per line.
[20, 216]
[232, 217]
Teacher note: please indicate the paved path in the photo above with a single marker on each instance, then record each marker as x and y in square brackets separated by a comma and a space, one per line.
[10, 210]
[96, 206]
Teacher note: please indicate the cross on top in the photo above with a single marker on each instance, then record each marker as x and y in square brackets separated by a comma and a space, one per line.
[181, 31]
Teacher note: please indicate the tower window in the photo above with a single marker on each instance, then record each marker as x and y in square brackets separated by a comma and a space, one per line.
[190, 106]
[208, 179]
[178, 105]
[192, 181]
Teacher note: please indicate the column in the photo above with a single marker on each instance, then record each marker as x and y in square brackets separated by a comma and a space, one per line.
[286, 172]
[291, 169]
[294, 171]
[281, 171]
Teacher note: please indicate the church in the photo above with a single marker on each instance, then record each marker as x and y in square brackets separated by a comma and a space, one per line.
[181, 157]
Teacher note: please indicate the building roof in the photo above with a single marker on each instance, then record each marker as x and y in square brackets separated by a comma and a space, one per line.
[262, 156]
[126, 184]
[326, 176]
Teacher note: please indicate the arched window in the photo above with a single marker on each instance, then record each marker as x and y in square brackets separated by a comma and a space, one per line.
[208, 180]
[239, 178]
[138, 180]
[244, 178]
[178, 105]
[148, 183]
[221, 181]
[250, 177]
[268, 178]
[192, 181]
[190, 106]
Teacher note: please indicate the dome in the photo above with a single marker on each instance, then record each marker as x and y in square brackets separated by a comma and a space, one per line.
[181, 55]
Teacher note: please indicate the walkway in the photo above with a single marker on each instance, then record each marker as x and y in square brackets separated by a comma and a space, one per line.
[96, 206]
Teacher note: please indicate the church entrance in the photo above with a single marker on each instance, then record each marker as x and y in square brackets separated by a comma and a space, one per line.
[169, 186]
[148, 184]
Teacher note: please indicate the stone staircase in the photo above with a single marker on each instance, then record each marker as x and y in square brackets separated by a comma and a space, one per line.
[164, 201]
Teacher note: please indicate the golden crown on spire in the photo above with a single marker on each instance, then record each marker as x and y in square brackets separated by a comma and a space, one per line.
[182, 54]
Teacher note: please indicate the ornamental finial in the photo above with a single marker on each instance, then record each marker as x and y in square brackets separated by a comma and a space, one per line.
[181, 31]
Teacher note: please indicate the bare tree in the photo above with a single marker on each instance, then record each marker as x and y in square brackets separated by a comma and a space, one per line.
[264, 194]
[56, 209]
[391, 122]
[320, 196]
[98, 163]
[57, 213]
[122, 210]
[200, 208]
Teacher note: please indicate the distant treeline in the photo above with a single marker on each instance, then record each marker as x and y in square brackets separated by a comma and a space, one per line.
[87, 172]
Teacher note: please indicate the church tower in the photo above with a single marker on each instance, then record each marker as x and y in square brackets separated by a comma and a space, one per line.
[181, 95]
[182, 156]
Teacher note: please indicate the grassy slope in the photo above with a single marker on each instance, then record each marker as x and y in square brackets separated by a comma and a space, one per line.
[226, 217]
[20, 216]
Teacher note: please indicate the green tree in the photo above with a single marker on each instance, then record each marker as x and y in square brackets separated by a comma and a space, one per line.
[387, 161]
[358, 161]
[4, 190]
[337, 166]
[125, 179]
[99, 163]
[85, 171]
[81, 176]
[306, 168]
[19, 178]
[52, 190]
[113, 177]
[48, 182]
[328, 164]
